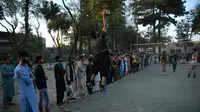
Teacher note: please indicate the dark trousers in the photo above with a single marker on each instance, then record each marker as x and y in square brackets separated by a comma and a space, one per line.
[89, 89]
[7, 100]
[135, 67]
[174, 65]
[60, 96]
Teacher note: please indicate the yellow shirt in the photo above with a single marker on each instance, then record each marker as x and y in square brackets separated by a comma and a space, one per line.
[134, 60]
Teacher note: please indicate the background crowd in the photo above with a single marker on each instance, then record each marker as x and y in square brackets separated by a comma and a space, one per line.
[72, 78]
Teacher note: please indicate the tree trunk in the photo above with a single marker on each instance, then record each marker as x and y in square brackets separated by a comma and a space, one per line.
[159, 31]
[26, 21]
[112, 39]
[85, 48]
[89, 46]
[58, 43]
[112, 33]
[40, 47]
[74, 46]
[76, 35]
[59, 50]
[39, 38]
[154, 32]
[80, 45]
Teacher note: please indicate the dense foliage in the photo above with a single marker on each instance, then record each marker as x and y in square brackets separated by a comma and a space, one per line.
[76, 19]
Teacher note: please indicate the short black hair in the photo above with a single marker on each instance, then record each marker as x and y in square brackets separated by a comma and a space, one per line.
[57, 58]
[23, 54]
[81, 57]
[93, 34]
[194, 49]
[90, 59]
[70, 59]
[6, 57]
[38, 58]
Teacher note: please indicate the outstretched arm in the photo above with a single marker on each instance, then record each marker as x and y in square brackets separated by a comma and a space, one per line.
[104, 21]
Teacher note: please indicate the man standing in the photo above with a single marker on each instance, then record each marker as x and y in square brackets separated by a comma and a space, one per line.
[89, 75]
[28, 98]
[41, 84]
[80, 72]
[174, 59]
[163, 60]
[101, 54]
[7, 72]
[70, 76]
[59, 73]
[193, 63]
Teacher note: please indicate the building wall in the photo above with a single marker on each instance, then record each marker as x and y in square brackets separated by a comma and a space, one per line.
[44, 41]
[179, 47]
[4, 45]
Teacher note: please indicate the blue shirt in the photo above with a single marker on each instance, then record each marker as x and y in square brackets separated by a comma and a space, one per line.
[22, 75]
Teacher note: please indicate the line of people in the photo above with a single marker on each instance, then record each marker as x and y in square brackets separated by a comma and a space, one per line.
[28, 80]
[72, 80]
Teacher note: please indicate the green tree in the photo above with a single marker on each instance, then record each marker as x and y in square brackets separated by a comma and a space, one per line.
[56, 20]
[184, 31]
[9, 9]
[128, 39]
[196, 19]
[32, 43]
[75, 26]
[157, 13]
[116, 20]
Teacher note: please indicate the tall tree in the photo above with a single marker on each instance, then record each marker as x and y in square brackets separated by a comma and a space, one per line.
[26, 6]
[56, 20]
[116, 20]
[9, 9]
[26, 19]
[75, 27]
[196, 19]
[184, 31]
[37, 16]
[157, 13]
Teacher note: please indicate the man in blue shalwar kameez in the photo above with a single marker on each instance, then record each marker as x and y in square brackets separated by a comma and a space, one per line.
[28, 98]
[7, 72]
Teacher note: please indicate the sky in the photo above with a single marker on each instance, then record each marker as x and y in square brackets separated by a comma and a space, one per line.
[190, 4]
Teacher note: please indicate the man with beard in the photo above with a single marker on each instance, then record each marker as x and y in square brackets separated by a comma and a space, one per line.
[59, 73]
[80, 73]
[7, 72]
[28, 98]
[41, 84]
[70, 78]
[101, 54]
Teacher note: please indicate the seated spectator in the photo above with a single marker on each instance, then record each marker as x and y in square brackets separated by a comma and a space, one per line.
[50, 66]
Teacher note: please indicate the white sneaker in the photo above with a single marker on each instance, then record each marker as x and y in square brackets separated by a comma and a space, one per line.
[164, 73]
[174, 73]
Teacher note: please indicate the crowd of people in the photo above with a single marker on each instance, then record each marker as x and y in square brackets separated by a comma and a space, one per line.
[74, 79]
[89, 75]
